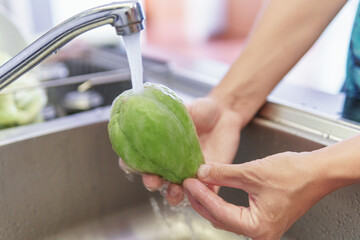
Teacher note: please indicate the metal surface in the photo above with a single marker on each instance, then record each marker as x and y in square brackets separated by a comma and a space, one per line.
[127, 18]
[92, 79]
[65, 181]
[314, 126]
[76, 101]
[60, 179]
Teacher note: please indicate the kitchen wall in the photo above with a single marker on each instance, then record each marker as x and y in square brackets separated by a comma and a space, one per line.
[39, 16]
[323, 67]
[185, 21]
[213, 29]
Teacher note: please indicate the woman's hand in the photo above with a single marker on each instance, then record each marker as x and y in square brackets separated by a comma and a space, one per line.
[218, 128]
[281, 189]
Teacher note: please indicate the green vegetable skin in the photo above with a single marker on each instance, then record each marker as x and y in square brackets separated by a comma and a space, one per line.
[23, 106]
[153, 133]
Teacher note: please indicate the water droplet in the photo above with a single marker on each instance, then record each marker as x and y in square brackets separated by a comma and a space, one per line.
[127, 170]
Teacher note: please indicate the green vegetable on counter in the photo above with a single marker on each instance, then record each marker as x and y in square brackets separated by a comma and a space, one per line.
[22, 106]
[153, 132]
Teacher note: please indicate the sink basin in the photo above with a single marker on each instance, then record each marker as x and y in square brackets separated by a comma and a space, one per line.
[106, 72]
[60, 179]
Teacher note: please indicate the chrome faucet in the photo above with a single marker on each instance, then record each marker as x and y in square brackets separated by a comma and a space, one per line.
[127, 18]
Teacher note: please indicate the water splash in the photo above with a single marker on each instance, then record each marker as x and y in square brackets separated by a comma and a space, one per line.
[172, 217]
[129, 173]
[182, 223]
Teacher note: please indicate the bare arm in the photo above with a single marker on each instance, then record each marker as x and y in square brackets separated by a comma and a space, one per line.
[281, 188]
[284, 186]
[283, 34]
[285, 31]
[339, 164]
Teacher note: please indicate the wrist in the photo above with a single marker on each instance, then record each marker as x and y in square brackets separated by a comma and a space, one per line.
[321, 181]
[307, 179]
[234, 101]
[243, 89]
[228, 108]
[338, 165]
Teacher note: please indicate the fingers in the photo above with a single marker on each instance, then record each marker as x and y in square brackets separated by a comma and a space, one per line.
[152, 182]
[175, 194]
[229, 175]
[203, 212]
[214, 208]
[204, 113]
[188, 107]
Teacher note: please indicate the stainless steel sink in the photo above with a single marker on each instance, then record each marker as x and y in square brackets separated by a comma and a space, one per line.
[60, 179]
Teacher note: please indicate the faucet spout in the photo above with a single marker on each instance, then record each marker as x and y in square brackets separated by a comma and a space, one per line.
[127, 17]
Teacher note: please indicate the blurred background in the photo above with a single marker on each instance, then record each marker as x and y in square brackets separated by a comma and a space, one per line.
[198, 29]
[59, 178]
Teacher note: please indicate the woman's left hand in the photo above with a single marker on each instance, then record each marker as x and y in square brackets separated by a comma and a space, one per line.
[281, 189]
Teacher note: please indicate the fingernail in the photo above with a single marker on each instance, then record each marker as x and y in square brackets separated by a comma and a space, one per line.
[203, 171]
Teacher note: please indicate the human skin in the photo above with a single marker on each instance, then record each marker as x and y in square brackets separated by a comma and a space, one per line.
[284, 186]
[213, 122]
[281, 188]
[283, 33]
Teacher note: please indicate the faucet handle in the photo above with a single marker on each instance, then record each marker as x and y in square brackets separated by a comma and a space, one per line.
[129, 19]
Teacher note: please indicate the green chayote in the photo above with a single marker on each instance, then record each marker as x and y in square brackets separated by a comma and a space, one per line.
[153, 133]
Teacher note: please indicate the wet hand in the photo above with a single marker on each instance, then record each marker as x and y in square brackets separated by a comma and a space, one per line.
[281, 189]
[218, 128]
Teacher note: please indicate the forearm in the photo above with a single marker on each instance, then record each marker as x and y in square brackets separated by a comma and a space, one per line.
[284, 33]
[338, 165]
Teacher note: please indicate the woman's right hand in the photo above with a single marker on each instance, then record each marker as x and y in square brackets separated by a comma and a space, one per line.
[218, 128]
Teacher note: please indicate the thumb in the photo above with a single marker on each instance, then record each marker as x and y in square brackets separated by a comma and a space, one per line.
[204, 113]
[228, 175]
